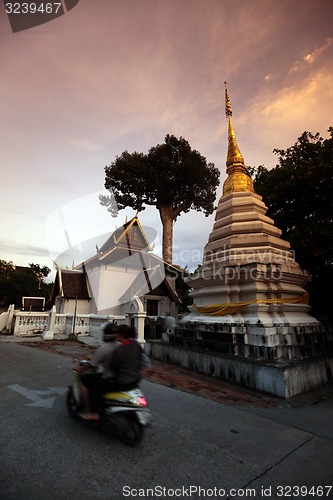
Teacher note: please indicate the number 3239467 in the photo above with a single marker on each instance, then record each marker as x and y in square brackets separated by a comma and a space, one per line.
[301, 491]
[33, 8]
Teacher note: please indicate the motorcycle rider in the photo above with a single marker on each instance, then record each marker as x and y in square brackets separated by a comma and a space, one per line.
[123, 372]
[98, 369]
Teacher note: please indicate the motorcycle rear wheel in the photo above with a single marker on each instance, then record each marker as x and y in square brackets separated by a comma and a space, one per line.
[130, 431]
[71, 403]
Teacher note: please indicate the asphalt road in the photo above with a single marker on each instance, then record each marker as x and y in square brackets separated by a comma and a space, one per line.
[195, 448]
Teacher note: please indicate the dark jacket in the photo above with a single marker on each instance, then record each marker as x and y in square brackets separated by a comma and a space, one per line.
[125, 363]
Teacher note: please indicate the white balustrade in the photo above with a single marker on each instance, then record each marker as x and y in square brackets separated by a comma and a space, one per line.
[27, 323]
[36, 323]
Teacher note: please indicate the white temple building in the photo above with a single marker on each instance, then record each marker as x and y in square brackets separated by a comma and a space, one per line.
[123, 272]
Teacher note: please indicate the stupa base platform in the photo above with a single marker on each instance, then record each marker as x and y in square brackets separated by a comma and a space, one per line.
[259, 314]
[282, 378]
[256, 334]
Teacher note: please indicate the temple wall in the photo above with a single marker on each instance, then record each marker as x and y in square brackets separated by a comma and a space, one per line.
[285, 379]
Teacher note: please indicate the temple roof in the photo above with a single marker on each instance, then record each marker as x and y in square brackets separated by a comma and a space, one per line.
[70, 285]
[128, 246]
[130, 235]
[150, 282]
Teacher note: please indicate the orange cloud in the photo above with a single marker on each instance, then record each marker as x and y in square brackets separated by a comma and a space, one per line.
[311, 57]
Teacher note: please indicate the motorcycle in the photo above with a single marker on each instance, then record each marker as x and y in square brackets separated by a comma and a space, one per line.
[126, 413]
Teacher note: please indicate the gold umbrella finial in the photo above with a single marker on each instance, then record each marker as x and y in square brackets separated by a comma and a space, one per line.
[237, 179]
[228, 109]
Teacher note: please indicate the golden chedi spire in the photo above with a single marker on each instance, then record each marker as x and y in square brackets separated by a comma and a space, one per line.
[237, 179]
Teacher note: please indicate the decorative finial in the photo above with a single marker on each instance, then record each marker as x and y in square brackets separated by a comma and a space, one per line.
[228, 109]
[237, 180]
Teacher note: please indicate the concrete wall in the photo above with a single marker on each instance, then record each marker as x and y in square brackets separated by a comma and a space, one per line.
[281, 378]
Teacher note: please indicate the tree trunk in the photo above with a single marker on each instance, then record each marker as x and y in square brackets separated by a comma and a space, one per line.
[166, 215]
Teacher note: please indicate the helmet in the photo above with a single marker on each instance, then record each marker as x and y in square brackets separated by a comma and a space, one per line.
[110, 331]
[127, 331]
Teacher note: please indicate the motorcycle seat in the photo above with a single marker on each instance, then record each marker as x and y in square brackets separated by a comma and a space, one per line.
[117, 395]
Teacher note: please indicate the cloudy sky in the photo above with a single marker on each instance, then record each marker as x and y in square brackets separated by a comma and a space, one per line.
[111, 75]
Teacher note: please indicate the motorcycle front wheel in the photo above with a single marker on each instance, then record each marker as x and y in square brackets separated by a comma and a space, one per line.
[72, 406]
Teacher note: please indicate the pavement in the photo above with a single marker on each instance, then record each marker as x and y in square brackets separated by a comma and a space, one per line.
[291, 441]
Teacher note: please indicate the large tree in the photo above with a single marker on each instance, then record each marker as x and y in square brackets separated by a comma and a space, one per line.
[171, 176]
[298, 193]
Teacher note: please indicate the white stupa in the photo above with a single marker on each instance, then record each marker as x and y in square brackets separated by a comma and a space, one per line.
[249, 278]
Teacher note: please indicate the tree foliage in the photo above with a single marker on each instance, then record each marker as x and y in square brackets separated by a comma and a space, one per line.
[172, 177]
[298, 193]
[17, 281]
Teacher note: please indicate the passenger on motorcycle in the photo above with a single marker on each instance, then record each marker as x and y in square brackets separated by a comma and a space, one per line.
[126, 361]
